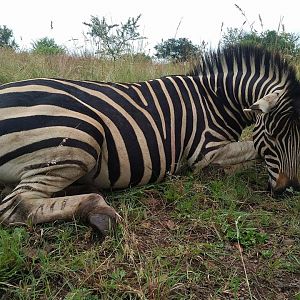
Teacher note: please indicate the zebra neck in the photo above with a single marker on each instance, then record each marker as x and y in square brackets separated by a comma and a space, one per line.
[226, 102]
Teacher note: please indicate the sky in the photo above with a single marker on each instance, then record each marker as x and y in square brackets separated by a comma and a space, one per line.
[161, 19]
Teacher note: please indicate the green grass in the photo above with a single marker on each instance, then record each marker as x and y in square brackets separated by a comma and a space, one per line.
[189, 237]
[178, 240]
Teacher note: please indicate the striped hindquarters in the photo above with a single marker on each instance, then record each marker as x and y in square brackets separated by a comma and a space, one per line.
[125, 134]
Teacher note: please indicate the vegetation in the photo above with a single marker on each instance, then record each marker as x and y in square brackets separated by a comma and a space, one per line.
[190, 237]
[47, 46]
[114, 40]
[275, 40]
[178, 240]
[286, 43]
[181, 49]
[18, 66]
[7, 38]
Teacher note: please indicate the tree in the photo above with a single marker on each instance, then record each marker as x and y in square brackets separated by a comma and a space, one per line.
[181, 49]
[286, 43]
[7, 38]
[113, 40]
[47, 46]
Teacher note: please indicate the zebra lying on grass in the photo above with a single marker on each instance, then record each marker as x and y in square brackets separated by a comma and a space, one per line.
[55, 132]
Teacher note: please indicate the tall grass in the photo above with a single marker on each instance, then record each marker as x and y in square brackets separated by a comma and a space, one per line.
[19, 66]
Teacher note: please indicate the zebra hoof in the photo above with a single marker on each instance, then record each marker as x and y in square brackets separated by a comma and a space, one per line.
[103, 223]
[94, 211]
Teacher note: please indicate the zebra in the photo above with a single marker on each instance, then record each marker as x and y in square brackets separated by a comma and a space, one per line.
[56, 132]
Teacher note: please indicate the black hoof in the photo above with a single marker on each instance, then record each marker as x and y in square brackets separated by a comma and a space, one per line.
[102, 223]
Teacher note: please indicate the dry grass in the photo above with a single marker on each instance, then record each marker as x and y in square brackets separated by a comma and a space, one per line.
[20, 66]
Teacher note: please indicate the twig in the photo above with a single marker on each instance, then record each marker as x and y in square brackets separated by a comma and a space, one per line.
[241, 255]
[178, 27]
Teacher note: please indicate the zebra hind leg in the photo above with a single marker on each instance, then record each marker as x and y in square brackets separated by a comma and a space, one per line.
[35, 207]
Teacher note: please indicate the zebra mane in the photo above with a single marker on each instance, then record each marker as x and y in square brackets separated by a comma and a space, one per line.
[213, 62]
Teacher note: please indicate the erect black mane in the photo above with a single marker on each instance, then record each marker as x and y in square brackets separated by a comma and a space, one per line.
[211, 62]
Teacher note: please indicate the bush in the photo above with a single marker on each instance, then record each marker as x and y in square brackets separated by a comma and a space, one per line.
[181, 49]
[47, 46]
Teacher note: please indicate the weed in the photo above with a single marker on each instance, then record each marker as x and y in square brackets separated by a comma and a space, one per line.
[248, 236]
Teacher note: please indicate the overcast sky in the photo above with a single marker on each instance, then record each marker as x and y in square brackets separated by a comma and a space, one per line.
[199, 20]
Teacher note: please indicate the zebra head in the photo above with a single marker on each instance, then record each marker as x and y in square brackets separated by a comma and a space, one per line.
[276, 137]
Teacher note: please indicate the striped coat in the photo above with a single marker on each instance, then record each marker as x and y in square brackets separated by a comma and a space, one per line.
[55, 132]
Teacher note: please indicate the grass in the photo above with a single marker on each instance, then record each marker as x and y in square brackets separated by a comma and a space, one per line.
[190, 237]
[20, 66]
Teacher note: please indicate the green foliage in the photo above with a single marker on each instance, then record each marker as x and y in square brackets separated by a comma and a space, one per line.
[228, 191]
[7, 38]
[118, 274]
[181, 49]
[12, 258]
[286, 43]
[114, 40]
[47, 46]
[274, 40]
[248, 236]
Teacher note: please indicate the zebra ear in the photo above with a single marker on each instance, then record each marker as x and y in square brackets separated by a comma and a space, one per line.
[264, 104]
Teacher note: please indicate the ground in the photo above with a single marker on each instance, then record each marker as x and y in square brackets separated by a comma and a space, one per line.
[211, 236]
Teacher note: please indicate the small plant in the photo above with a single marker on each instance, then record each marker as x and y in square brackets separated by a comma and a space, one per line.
[234, 285]
[248, 236]
[80, 294]
[118, 274]
[267, 253]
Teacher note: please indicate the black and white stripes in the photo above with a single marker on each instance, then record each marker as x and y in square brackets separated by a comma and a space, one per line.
[54, 132]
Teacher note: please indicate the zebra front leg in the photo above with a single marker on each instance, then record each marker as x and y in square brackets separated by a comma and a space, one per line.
[236, 154]
[89, 208]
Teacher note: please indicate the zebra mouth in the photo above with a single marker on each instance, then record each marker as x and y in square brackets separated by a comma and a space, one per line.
[288, 191]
